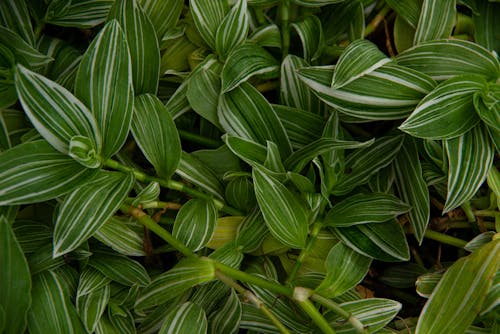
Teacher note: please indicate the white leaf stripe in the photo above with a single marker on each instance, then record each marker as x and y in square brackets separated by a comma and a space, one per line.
[120, 268]
[87, 208]
[315, 3]
[90, 280]
[437, 19]
[91, 306]
[82, 14]
[163, 14]
[117, 235]
[253, 319]
[15, 15]
[35, 172]
[311, 35]
[233, 29]
[207, 16]
[24, 53]
[302, 127]
[227, 318]
[470, 157]
[186, 318]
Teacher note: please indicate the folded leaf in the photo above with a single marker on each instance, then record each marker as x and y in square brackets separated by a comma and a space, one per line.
[233, 30]
[15, 16]
[163, 14]
[227, 318]
[437, 19]
[195, 223]
[23, 52]
[185, 318]
[302, 127]
[120, 268]
[487, 105]
[115, 233]
[91, 306]
[310, 32]
[207, 17]
[82, 14]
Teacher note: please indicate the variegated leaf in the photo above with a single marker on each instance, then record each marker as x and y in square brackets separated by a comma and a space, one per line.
[227, 319]
[23, 52]
[120, 268]
[116, 233]
[310, 32]
[163, 14]
[15, 16]
[82, 14]
[315, 3]
[487, 105]
[207, 17]
[251, 231]
[437, 19]
[233, 30]
[91, 306]
[90, 280]
[195, 223]
[302, 127]
[267, 36]
[409, 10]
[104, 84]
[186, 318]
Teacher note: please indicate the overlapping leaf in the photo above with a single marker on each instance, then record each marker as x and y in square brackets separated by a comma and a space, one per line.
[15, 15]
[408, 9]
[302, 127]
[163, 14]
[186, 318]
[91, 306]
[120, 268]
[227, 318]
[437, 19]
[80, 14]
[207, 16]
[311, 35]
[23, 52]
[195, 223]
[233, 29]
[116, 234]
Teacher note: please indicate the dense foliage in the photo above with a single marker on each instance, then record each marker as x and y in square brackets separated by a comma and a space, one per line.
[249, 166]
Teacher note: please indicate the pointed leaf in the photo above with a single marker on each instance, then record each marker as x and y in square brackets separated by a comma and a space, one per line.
[15, 15]
[267, 36]
[87, 208]
[244, 62]
[91, 306]
[485, 24]
[54, 111]
[156, 134]
[104, 84]
[302, 127]
[90, 280]
[470, 157]
[227, 318]
[251, 231]
[23, 52]
[185, 318]
[207, 16]
[407, 9]
[115, 233]
[81, 14]
[458, 297]
[359, 58]
[487, 105]
[163, 14]
[284, 215]
[447, 111]
[142, 43]
[15, 281]
[233, 30]
[310, 32]
[195, 223]
[120, 268]
[35, 172]
[364, 209]
[437, 19]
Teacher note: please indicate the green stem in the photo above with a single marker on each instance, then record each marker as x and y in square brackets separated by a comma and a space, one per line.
[198, 139]
[285, 27]
[317, 317]
[330, 304]
[468, 211]
[174, 185]
[445, 239]
[370, 28]
[485, 213]
[267, 86]
[161, 205]
[304, 252]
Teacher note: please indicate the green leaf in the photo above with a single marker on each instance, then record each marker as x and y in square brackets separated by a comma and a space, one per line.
[91, 306]
[91, 280]
[233, 30]
[302, 127]
[227, 319]
[359, 58]
[207, 16]
[479, 241]
[251, 231]
[284, 215]
[487, 105]
[244, 62]
[485, 24]
[163, 14]
[381, 241]
[254, 319]
[82, 150]
[364, 209]
[31, 235]
[82, 14]
[121, 319]
[104, 84]
[35, 172]
[470, 157]
[447, 111]
[51, 309]
[120, 268]
[412, 187]
[117, 234]
[310, 32]
[437, 19]
[156, 134]
[402, 276]
[185, 318]
[458, 297]
[23, 52]
[252, 153]
[195, 223]
[42, 260]
[407, 9]
[240, 194]
[266, 36]
[493, 296]
[15, 16]
[142, 43]
[15, 281]
[345, 268]
[246, 113]
[88, 207]
[315, 3]
[186, 274]
[54, 111]
[374, 313]
[389, 92]
[445, 58]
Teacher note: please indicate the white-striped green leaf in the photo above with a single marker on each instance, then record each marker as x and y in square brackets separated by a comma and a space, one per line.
[56, 113]
[437, 19]
[42, 260]
[267, 36]
[310, 32]
[251, 231]
[389, 92]
[244, 62]
[15, 280]
[246, 113]
[407, 9]
[193, 170]
[207, 17]
[120, 268]
[284, 214]
[203, 89]
[493, 296]
[254, 319]
[365, 162]
[485, 24]
[228, 254]
[35, 172]
[163, 14]
[227, 319]
[252, 153]
[487, 105]
[209, 296]
[479, 241]
[51, 309]
[233, 30]
[359, 58]
[142, 43]
[426, 283]
[470, 157]
[76, 222]
[104, 84]
[121, 319]
[15, 16]
[459, 295]
[412, 187]
[195, 223]
[163, 149]
[381, 241]
[147, 194]
[402, 276]
[186, 274]
[302, 127]
[31, 235]
[178, 56]
[374, 313]
[315, 3]
[80, 14]
[116, 233]
[240, 194]
[345, 268]
[493, 179]
[69, 278]
[445, 58]
[23, 52]
[349, 18]
[446, 112]
[91, 306]
[365, 208]
[90, 280]
[185, 318]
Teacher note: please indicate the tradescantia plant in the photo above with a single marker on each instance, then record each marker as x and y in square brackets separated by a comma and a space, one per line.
[249, 166]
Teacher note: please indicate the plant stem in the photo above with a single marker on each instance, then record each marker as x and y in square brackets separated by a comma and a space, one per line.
[198, 139]
[370, 28]
[248, 295]
[161, 205]
[267, 86]
[458, 225]
[445, 239]
[485, 213]
[468, 212]
[314, 314]
[330, 304]
[174, 185]
[304, 252]
[285, 27]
